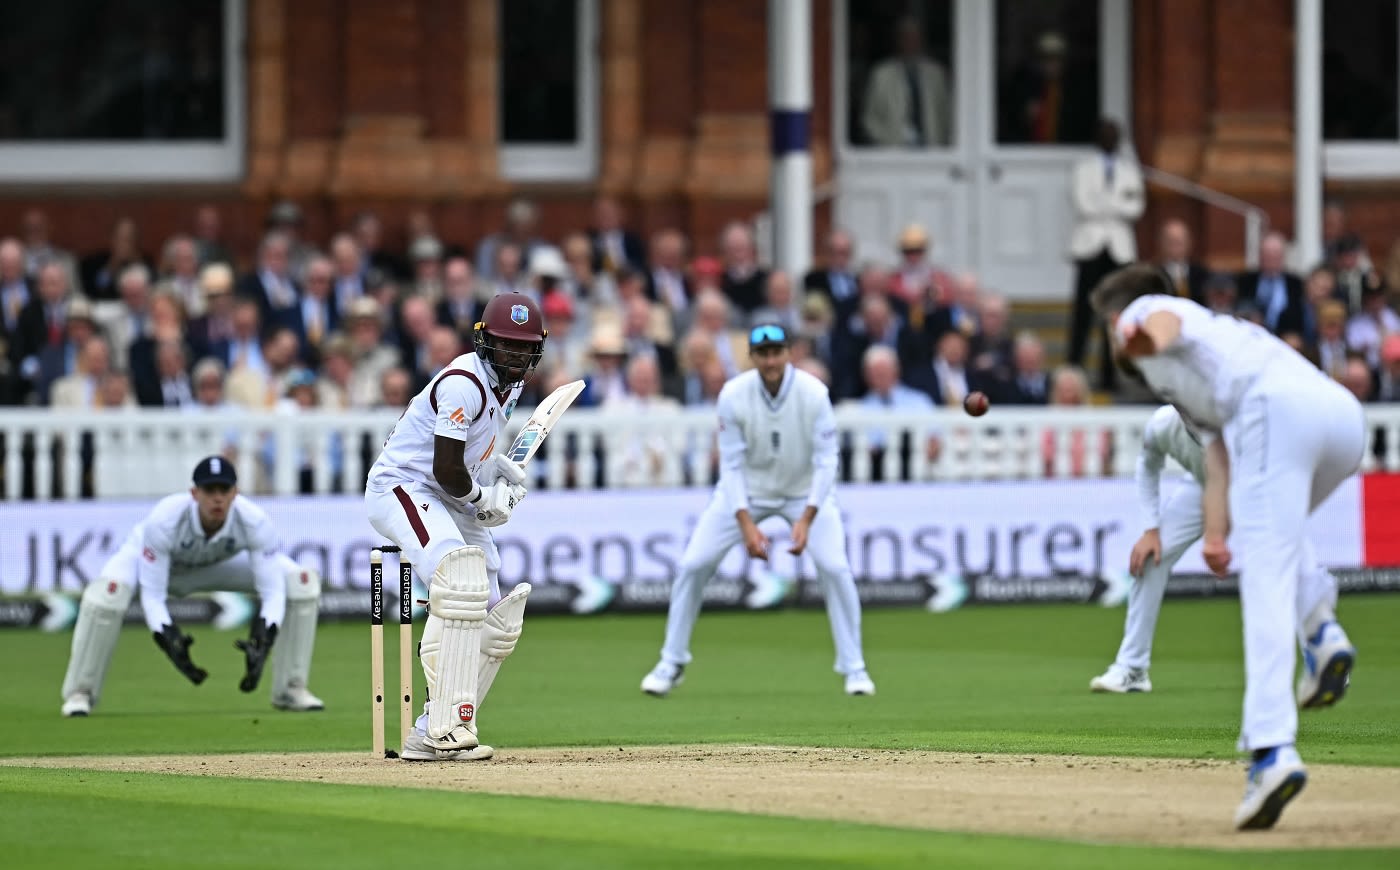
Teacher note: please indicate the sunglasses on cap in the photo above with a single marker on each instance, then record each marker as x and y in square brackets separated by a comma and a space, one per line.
[767, 334]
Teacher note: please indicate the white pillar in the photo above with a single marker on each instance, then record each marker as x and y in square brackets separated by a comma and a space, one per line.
[790, 111]
[1307, 132]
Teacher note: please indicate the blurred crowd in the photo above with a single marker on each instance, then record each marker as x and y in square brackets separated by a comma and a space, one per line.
[353, 322]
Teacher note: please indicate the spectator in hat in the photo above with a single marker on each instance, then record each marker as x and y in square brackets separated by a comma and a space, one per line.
[211, 332]
[605, 379]
[916, 279]
[1331, 338]
[567, 349]
[365, 327]
[56, 361]
[1050, 99]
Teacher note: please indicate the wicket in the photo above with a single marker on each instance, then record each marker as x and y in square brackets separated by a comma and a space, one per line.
[376, 637]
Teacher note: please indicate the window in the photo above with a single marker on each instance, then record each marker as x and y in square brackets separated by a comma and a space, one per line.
[1360, 97]
[121, 90]
[548, 100]
[1047, 71]
[899, 74]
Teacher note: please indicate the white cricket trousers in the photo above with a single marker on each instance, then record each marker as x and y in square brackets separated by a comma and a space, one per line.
[718, 532]
[1181, 527]
[1291, 443]
[426, 529]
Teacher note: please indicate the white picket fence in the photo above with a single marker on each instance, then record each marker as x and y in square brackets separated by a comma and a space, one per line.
[49, 455]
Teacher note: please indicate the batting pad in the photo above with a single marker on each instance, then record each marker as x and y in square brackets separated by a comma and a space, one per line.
[499, 636]
[100, 613]
[291, 659]
[458, 596]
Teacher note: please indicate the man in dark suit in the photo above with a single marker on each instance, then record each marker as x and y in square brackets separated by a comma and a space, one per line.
[317, 315]
[43, 320]
[458, 307]
[1186, 276]
[1276, 292]
[271, 284]
[160, 375]
[876, 322]
[614, 246]
[835, 278]
[667, 282]
[948, 378]
[1029, 383]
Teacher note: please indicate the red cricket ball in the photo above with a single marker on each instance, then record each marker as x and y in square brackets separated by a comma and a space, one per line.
[976, 403]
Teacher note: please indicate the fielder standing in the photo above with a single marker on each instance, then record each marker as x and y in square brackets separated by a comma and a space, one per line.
[778, 456]
[1288, 437]
[437, 488]
[210, 538]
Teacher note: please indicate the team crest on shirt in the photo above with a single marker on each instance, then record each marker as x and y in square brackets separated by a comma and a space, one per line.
[519, 313]
[508, 408]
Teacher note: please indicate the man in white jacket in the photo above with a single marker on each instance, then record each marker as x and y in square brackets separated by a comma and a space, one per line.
[1107, 194]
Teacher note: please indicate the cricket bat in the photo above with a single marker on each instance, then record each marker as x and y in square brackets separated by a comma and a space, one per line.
[546, 414]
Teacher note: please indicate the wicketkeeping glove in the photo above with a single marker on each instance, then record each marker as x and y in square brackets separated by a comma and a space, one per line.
[176, 645]
[255, 650]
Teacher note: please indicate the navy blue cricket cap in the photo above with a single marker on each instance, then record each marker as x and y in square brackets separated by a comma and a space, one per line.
[767, 335]
[213, 470]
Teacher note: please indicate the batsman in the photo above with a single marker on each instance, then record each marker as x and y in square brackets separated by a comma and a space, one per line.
[437, 488]
[210, 538]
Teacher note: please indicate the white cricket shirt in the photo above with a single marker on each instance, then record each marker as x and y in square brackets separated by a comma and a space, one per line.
[171, 540]
[459, 403]
[1166, 435]
[1214, 361]
[776, 448]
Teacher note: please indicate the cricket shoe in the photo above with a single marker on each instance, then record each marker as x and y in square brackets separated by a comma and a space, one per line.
[416, 748]
[859, 683]
[1274, 780]
[77, 704]
[1121, 680]
[298, 700]
[663, 678]
[1328, 657]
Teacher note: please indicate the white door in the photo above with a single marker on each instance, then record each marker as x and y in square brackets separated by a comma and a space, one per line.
[991, 188]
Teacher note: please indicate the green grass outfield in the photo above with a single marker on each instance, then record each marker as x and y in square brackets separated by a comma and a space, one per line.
[1011, 679]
